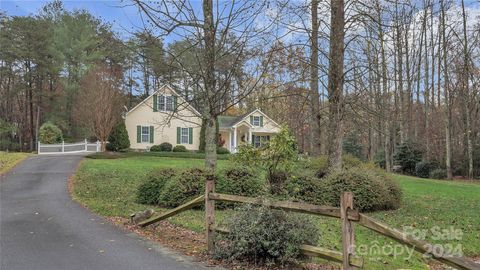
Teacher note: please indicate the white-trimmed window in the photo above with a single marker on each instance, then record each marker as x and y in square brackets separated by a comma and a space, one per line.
[256, 121]
[165, 103]
[145, 136]
[259, 141]
[184, 136]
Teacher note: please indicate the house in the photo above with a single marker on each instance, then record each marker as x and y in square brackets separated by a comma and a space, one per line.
[165, 116]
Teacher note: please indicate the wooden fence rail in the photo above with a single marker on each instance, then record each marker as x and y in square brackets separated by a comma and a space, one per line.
[346, 213]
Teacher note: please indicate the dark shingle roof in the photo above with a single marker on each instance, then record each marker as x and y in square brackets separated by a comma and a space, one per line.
[225, 121]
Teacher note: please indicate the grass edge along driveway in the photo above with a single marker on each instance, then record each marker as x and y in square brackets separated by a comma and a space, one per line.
[10, 160]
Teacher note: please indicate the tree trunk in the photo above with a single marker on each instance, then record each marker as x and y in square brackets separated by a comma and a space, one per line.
[316, 117]
[446, 91]
[466, 95]
[209, 78]
[335, 83]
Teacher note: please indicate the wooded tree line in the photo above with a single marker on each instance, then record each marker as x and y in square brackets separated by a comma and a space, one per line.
[362, 75]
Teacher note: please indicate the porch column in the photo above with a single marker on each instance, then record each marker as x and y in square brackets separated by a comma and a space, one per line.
[249, 136]
[235, 140]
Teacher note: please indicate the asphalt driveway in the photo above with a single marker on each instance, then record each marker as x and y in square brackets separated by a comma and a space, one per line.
[41, 228]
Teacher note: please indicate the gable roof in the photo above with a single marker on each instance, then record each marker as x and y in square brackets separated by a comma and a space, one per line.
[188, 105]
[225, 121]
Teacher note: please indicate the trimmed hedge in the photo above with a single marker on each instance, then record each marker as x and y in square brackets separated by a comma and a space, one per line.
[163, 147]
[195, 155]
[240, 180]
[149, 191]
[183, 187]
[306, 187]
[179, 148]
[373, 190]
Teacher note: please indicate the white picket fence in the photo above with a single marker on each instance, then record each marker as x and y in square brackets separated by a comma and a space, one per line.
[68, 148]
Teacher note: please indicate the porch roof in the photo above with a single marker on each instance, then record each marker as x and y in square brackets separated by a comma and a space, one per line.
[225, 121]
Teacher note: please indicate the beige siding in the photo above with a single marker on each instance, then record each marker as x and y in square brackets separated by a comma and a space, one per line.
[268, 125]
[165, 124]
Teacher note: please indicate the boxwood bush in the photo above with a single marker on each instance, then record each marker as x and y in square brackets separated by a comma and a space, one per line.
[149, 191]
[265, 236]
[180, 148]
[306, 187]
[183, 187]
[239, 180]
[373, 190]
[163, 147]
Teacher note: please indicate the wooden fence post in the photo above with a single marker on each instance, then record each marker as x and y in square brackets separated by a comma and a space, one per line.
[210, 214]
[348, 239]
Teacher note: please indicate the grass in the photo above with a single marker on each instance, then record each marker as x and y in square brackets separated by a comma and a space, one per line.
[9, 160]
[116, 155]
[108, 188]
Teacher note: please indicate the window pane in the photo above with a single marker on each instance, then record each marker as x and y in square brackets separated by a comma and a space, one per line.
[256, 120]
[169, 103]
[161, 103]
[184, 136]
[146, 134]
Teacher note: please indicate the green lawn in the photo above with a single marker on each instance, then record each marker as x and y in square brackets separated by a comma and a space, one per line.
[108, 186]
[9, 160]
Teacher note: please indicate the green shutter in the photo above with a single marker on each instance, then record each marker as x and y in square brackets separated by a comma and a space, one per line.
[190, 135]
[253, 139]
[152, 132]
[139, 134]
[174, 103]
[251, 119]
[179, 131]
[261, 121]
[155, 103]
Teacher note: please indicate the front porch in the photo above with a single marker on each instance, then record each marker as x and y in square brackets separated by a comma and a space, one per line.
[243, 134]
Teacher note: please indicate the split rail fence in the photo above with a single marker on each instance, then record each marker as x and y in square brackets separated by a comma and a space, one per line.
[345, 212]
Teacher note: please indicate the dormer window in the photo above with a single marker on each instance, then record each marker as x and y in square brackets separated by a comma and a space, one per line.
[256, 121]
[165, 103]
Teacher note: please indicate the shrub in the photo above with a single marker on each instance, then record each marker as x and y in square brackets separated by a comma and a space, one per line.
[265, 236]
[422, 169]
[240, 180]
[373, 190]
[350, 161]
[222, 151]
[118, 139]
[149, 191]
[407, 155]
[319, 165]
[184, 186]
[180, 148]
[438, 174]
[163, 147]
[49, 133]
[306, 187]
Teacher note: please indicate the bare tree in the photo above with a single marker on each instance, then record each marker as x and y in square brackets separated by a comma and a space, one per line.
[100, 101]
[335, 83]
[222, 29]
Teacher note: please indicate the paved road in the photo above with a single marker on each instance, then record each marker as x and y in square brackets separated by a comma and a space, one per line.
[41, 228]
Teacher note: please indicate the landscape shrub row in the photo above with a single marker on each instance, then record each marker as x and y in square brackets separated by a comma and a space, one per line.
[171, 188]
